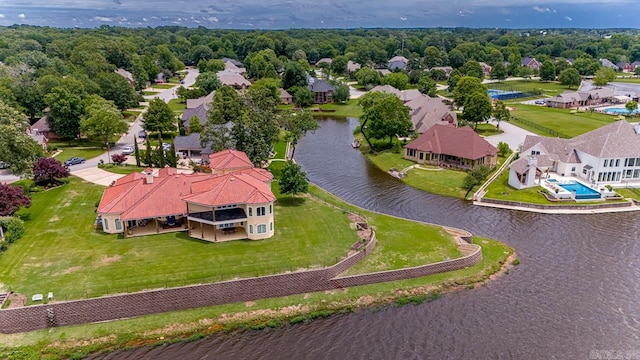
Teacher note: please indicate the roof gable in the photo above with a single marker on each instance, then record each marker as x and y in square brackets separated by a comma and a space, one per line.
[229, 159]
[449, 140]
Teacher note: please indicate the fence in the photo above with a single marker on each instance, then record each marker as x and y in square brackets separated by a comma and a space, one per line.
[527, 90]
[558, 207]
[541, 128]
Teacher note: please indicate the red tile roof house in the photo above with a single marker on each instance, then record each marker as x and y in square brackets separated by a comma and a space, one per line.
[234, 202]
[451, 146]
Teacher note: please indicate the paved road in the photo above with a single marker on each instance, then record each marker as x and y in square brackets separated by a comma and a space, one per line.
[134, 128]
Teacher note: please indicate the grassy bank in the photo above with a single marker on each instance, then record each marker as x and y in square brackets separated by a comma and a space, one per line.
[193, 324]
[348, 109]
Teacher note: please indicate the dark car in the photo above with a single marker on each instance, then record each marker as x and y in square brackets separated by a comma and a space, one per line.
[74, 161]
[4, 165]
[142, 134]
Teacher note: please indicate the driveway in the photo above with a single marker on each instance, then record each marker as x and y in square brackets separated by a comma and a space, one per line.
[513, 135]
[97, 176]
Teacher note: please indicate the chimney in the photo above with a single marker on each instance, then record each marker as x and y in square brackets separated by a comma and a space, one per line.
[149, 176]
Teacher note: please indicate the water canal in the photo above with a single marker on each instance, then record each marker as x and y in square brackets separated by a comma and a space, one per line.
[576, 291]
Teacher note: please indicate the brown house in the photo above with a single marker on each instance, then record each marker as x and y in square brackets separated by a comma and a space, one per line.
[322, 91]
[580, 98]
[285, 97]
[451, 146]
[42, 127]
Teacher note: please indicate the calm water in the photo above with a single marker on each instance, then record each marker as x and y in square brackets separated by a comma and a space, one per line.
[576, 290]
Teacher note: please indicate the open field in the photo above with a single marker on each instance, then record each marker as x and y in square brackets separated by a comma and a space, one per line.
[561, 121]
[77, 148]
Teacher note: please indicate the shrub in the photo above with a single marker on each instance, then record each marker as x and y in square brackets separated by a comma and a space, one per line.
[118, 158]
[13, 228]
[516, 262]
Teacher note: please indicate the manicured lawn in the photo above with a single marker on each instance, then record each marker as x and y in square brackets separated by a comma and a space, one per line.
[130, 115]
[633, 193]
[487, 130]
[125, 169]
[551, 88]
[149, 93]
[280, 147]
[163, 86]
[60, 251]
[388, 159]
[177, 105]
[560, 120]
[447, 182]
[349, 108]
[78, 148]
[633, 80]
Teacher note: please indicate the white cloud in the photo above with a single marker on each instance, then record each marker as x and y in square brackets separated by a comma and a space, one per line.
[22, 16]
[102, 18]
[540, 9]
[212, 19]
[403, 18]
[1, 16]
[568, 18]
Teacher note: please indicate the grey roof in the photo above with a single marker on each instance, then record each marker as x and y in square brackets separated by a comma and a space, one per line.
[232, 79]
[404, 95]
[284, 94]
[324, 60]
[386, 88]
[426, 112]
[397, 65]
[352, 66]
[124, 73]
[527, 60]
[616, 140]
[571, 96]
[42, 125]
[201, 112]
[233, 68]
[399, 58]
[608, 63]
[522, 164]
[321, 86]
[189, 142]
[233, 61]
[194, 103]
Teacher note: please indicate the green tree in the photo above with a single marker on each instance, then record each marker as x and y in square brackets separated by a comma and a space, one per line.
[65, 111]
[631, 106]
[477, 107]
[208, 82]
[294, 75]
[454, 77]
[503, 149]
[293, 180]
[432, 57]
[548, 71]
[302, 96]
[17, 148]
[226, 107]
[427, 86]
[339, 65]
[387, 117]
[367, 76]
[604, 76]
[498, 72]
[117, 89]
[159, 117]
[570, 77]
[472, 68]
[298, 123]
[501, 112]
[341, 93]
[136, 151]
[466, 86]
[398, 80]
[102, 120]
[475, 177]
[272, 86]
[194, 125]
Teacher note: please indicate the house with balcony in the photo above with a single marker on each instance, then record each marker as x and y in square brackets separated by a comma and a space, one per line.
[234, 202]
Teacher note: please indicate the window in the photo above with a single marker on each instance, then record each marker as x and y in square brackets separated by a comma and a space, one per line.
[584, 171]
[105, 224]
[606, 162]
[250, 229]
[271, 226]
[262, 228]
[573, 169]
[421, 156]
[260, 211]
[118, 224]
[270, 209]
[535, 152]
[617, 162]
[250, 212]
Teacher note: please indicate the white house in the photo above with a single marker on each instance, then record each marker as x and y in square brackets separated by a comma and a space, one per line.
[608, 155]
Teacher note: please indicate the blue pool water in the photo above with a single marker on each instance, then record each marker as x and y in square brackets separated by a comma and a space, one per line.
[620, 111]
[582, 192]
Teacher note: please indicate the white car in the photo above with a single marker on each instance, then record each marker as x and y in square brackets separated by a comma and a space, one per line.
[166, 146]
[128, 150]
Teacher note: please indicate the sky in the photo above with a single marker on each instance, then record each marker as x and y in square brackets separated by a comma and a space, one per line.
[285, 14]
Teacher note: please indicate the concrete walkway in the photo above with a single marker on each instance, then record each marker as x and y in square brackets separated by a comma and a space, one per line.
[97, 176]
[513, 135]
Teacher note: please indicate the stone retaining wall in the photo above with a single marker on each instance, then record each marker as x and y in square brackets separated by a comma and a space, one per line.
[164, 300]
[558, 207]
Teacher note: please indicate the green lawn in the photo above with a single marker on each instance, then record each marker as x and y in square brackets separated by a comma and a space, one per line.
[60, 251]
[149, 93]
[487, 130]
[560, 120]
[447, 182]
[131, 115]
[633, 193]
[177, 105]
[163, 86]
[350, 109]
[77, 148]
[125, 169]
[280, 147]
[551, 88]
[633, 80]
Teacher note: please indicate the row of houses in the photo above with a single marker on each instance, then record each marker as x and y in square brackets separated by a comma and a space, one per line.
[574, 99]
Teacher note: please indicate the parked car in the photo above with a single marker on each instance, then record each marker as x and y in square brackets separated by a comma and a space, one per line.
[540, 102]
[128, 150]
[4, 165]
[74, 161]
[142, 134]
[166, 146]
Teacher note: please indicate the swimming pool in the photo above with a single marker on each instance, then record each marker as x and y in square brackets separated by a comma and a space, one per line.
[619, 111]
[583, 192]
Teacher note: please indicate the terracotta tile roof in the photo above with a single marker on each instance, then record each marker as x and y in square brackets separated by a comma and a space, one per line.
[229, 159]
[460, 142]
[234, 188]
